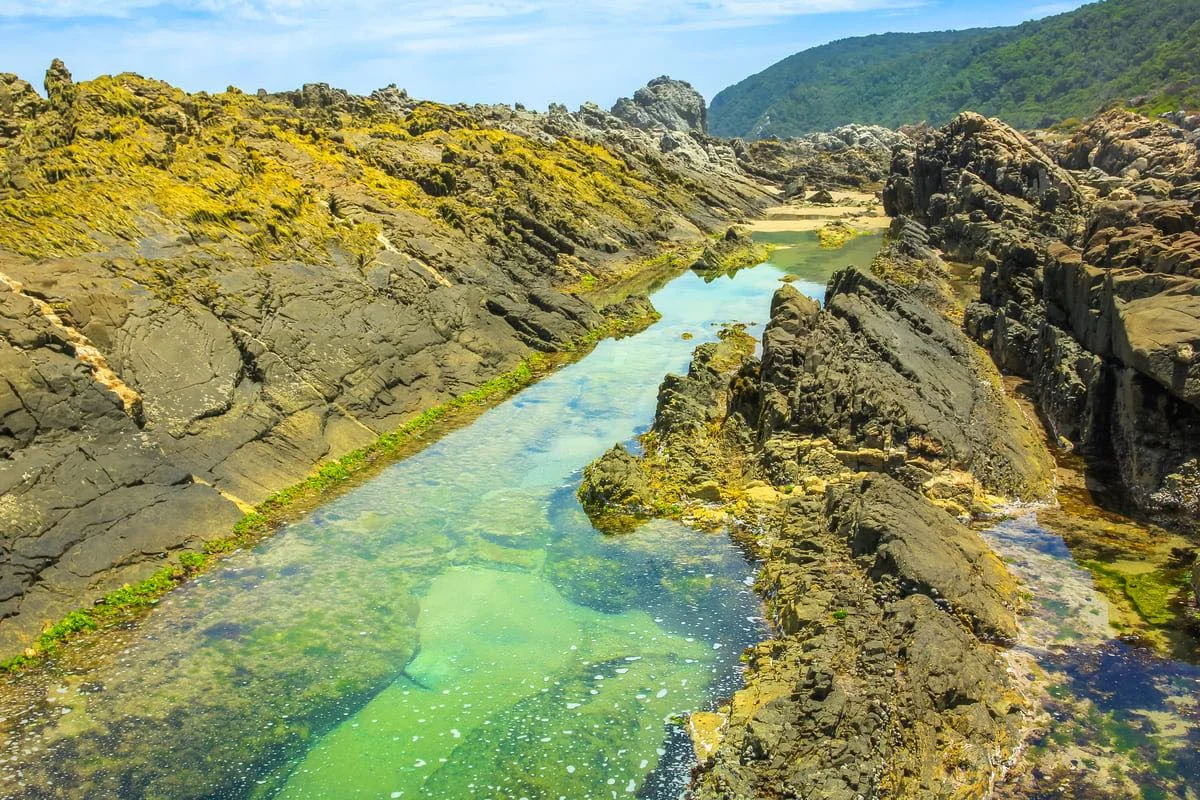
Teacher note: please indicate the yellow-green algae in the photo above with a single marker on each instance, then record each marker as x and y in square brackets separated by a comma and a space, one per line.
[836, 234]
[125, 159]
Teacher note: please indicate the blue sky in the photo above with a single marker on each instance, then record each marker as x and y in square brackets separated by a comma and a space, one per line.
[529, 51]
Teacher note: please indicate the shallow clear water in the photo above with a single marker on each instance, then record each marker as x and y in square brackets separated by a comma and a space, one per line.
[1118, 709]
[453, 628]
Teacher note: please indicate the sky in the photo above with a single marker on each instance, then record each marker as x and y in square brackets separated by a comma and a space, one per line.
[493, 51]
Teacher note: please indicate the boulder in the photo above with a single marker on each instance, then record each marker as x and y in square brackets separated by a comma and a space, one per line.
[615, 482]
[667, 104]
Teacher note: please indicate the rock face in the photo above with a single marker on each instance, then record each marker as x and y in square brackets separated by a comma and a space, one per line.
[1091, 280]
[853, 156]
[892, 386]
[667, 104]
[203, 296]
[842, 460]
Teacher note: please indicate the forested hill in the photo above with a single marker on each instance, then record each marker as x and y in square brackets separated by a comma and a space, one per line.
[1031, 75]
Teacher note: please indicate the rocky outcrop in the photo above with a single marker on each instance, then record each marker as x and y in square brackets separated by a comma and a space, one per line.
[1130, 147]
[666, 104]
[202, 296]
[890, 385]
[853, 156]
[1096, 300]
[845, 460]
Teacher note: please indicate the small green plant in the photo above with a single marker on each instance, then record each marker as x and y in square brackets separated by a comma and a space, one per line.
[841, 614]
[327, 478]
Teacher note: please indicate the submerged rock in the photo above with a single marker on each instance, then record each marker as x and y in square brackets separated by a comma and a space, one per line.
[836, 461]
[272, 281]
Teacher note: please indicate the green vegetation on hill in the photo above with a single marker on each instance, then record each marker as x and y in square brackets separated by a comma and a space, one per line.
[1031, 75]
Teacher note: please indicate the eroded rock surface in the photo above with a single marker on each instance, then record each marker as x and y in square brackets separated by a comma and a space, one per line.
[1090, 282]
[853, 156]
[275, 280]
[846, 460]
[665, 103]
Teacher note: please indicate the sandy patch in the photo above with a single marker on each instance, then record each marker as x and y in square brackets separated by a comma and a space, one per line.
[861, 210]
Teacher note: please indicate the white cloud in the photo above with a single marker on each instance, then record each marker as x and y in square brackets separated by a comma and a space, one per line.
[529, 50]
[66, 9]
[299, 11]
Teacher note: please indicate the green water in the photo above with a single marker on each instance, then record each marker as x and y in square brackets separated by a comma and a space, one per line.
[798, 256]
[453, 628]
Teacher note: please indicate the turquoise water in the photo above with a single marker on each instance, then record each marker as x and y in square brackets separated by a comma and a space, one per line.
[453, 628]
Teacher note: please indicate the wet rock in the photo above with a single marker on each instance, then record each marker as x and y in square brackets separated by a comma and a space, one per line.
[885, 679]
[615, 482]
[339, 281]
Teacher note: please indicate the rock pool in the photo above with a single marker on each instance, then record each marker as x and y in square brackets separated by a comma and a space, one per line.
[454, 627]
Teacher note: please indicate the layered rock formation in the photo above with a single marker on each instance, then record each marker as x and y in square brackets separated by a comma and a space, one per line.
[203, 296]
[846, 459]
[1090, 284]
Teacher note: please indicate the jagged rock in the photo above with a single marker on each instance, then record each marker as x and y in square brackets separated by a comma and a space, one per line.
[615, 481]
[928, 552]
[277, 287]
[1098, 302]
[60, 88]
[977, 166]
[19, 105]
[1126, 144]
[881, 370]
[883, 679]
[665, 103]
[853, 156]
[872, 139]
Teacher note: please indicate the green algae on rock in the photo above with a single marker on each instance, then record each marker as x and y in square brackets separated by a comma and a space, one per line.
[842, 458]
[326, 481]
[836, 234]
